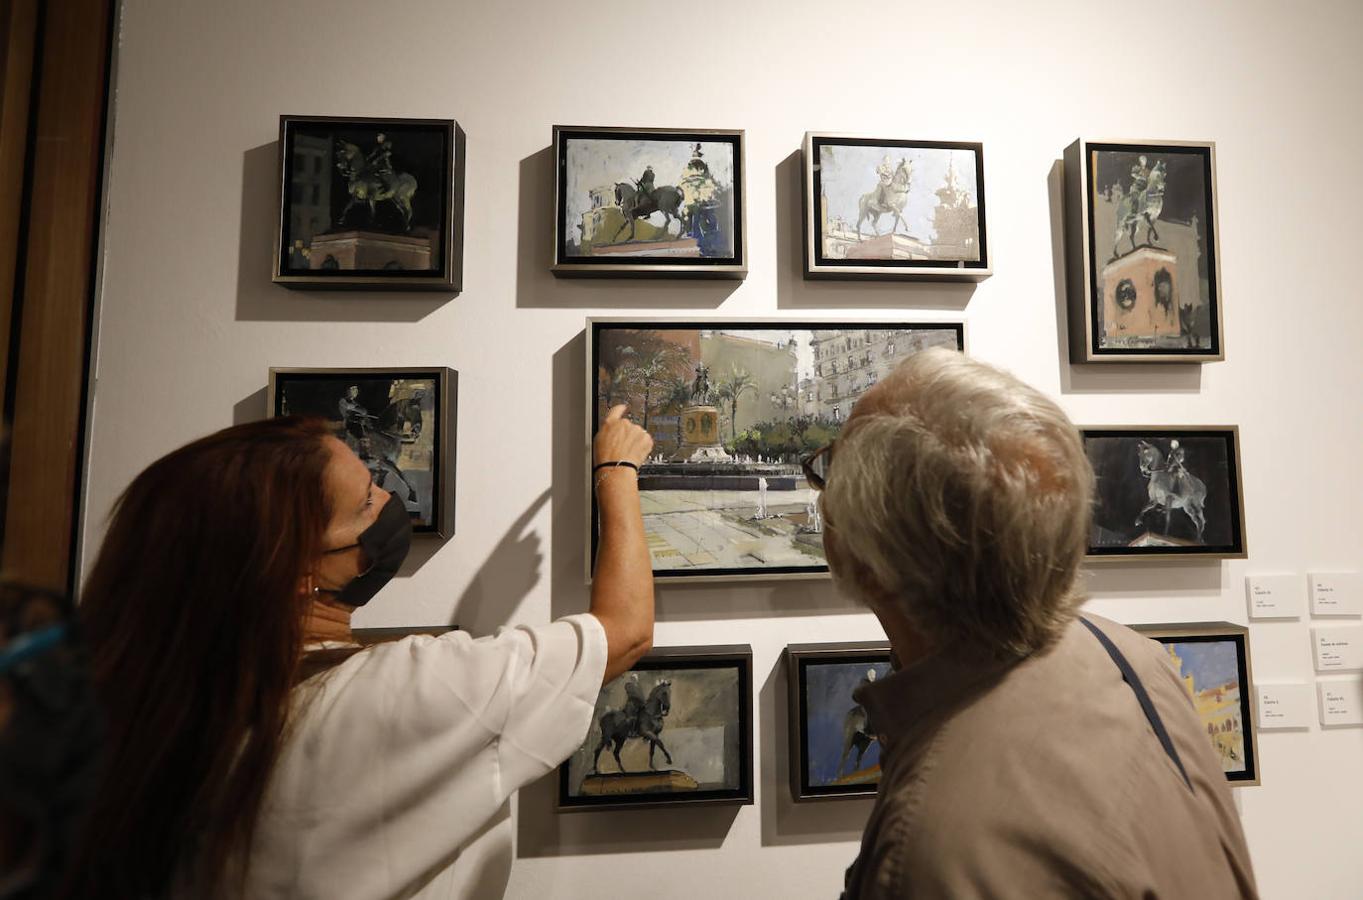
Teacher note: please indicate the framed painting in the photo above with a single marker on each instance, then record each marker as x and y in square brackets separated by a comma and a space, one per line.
[676, 729]
[894, 208]
[400, 422]
[834, 751]
[1164, 492]
[733, 406]
[370, 204]
[1212, 658]
[1141, 251]
[649, 202]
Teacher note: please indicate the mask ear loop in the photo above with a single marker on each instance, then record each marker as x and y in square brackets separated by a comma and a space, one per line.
[321, 590]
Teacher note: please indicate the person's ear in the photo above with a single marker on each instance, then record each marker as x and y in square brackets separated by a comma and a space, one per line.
[306, 587]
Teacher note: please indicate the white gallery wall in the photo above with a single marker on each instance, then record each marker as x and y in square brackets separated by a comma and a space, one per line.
[190, 322]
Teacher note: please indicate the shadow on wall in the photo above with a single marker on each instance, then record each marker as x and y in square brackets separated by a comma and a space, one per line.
[505, 579]
[794, 292]
[536, 285]
[785, 822]
[261, 300]
[1102, 378]
[1145, 578]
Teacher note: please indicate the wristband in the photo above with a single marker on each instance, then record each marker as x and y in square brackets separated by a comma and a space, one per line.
[619, 462]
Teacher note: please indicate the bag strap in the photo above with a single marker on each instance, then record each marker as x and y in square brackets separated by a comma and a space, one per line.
[1147, 705]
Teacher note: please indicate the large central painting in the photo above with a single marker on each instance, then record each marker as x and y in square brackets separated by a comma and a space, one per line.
[733, 408]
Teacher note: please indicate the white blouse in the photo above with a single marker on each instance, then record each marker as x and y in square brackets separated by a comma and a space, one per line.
[395, 778]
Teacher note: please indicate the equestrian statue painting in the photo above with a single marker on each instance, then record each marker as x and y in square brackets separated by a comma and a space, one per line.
[371, 179]
[641, 719]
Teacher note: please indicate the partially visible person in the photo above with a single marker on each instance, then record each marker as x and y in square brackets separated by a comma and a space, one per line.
[255, 750]
[1018, 758]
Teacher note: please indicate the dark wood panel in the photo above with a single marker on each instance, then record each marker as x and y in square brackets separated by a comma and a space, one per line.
[54, 308]
[18, 35]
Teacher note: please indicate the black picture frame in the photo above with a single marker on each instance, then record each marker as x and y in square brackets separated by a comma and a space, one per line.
[1119, 467]
[921, 265]
[800, 659]
[654, 477]
[633, 259]
[1195, 633]
[412, 240]
[1149, 320]
[444, 436]
[736, 657]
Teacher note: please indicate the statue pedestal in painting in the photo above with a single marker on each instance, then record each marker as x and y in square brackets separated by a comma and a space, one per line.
[667, 781]
[1140, 299]
[371, 250]
[700, 436]
[888, 246]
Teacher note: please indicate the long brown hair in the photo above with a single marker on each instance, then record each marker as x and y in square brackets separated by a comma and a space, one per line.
[195, 626]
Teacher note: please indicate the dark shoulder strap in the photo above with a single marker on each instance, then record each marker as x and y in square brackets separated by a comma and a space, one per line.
[1147, 705]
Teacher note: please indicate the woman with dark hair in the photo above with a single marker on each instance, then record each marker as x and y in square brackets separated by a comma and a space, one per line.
[252, 748]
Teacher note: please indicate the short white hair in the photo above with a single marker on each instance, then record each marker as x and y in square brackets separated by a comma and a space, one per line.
[965, 495]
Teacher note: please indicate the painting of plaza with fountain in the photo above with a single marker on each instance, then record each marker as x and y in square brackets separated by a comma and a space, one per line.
[733, 410]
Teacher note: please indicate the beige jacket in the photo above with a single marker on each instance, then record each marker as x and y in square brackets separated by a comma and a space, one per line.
[1044, 779]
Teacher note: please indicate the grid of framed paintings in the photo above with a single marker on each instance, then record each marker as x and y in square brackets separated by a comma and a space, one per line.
[1142, 253]
[370, 204]
[834, 751]
[675, 729]
[400, 422]
[1212, 659]
[733, 406]
[894, 208]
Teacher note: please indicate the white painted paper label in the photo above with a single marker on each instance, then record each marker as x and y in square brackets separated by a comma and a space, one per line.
[1336, 593]
[1339, 648]
[1275, 596]
[1284, 705]
[1341, 702]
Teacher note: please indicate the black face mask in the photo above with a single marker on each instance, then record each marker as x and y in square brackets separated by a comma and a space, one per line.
[386, 543]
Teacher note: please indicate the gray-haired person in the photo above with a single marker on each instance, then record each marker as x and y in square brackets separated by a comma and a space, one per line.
[1027, 751]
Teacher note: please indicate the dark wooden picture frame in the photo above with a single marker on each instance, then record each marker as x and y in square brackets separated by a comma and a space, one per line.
[400, 185]
[673, 787]
[445, 406]
[856, 733]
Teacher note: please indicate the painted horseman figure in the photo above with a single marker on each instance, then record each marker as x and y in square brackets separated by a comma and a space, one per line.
[1143, 202]
[641, 718]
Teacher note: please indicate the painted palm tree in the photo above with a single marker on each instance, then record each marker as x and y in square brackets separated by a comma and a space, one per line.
[730, 390]
[676, 396]
[659, 366]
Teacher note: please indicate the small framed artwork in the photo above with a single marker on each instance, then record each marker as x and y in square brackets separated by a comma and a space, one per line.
[676, 729]
[370, 204]
[400, 422]
[1141, 251]
[894, 208]
[1164, 492]
[834, 750]
[1212, 658]
[733, 407]
[649, 202]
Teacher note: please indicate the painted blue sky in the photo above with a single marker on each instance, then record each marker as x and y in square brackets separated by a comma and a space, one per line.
[1211, 663]
[847, 172]
[828, 696]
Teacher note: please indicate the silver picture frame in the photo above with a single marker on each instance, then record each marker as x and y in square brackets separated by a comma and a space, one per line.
[448, 279]
[564, 265]
[819, 266]
[1195, 632]
[1081, 263]
[446, 433]
[1236, 548]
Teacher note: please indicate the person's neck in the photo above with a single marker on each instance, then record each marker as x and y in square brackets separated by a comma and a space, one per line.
[327, 620]
[908, 644]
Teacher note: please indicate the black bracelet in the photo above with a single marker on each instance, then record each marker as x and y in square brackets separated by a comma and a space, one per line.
[607, 465]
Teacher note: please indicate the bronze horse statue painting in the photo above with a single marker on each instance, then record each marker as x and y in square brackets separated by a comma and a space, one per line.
[371, 184]
[891, 200]
[641, 720]
[636, 203]
[1171, 486]
[1141, 205]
